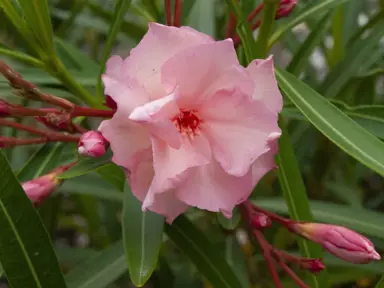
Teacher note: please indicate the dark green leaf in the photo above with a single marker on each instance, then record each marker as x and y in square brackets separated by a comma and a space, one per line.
[207, 258]
[113, 174]
[26, 253]
[142, 235]
[230, 223]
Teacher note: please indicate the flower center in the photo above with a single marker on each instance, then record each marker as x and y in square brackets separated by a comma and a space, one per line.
[187, 122]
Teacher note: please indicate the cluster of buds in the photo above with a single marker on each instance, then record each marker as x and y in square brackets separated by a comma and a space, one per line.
[342, 242]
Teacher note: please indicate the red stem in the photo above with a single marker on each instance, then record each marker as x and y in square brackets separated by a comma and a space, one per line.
[255, 12]
[12, 142]
[292, 274]
[177, 16]
[85, 111]
[19, 126]
[231, 26]
[168, 13]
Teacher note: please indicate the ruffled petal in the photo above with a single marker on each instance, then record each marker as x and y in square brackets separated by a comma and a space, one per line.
[140, 180]
[210, 187]
[125, 137]
[158, 45]
[237, 129]
[156, 117]
[194, 69]
[266, 89]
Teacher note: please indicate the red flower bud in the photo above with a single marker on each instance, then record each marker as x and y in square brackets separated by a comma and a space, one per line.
[110, 103]
[285, 8]
[341, 242]
[312, 265]
[260, 221]
[40, 188]
[92, 144]
[57, 121]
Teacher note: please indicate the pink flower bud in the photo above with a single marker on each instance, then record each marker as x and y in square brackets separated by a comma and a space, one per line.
[312, 265]
[260, 221]
[110, 103]
[92, 144]
[40, 188]
[285, 8]
[57, 121]
[340, 241]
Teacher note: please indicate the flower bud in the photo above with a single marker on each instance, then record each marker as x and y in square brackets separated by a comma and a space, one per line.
[260, 221]
[40, 188]
[340, 241]
[4, 109]
[57, 121]
[312, 265]
[92, 144]
[110, 103]
[285, 8]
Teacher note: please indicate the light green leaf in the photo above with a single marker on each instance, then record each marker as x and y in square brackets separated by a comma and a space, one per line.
[142, 236]
[315, 10]
[100, 270]
[27, 261]
[333, 123]
[207, 258]
[86, 165]
[120, 9]
[230, 223]
[236, 259]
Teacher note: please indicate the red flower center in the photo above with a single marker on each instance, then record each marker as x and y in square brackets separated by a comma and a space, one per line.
[187, 122]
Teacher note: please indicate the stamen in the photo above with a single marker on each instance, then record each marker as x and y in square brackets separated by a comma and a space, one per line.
[187, 122]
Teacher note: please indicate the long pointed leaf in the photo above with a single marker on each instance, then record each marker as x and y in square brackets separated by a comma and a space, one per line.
[26, 252]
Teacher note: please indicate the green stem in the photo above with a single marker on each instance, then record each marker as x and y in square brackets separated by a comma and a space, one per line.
[337, 51]
[57, 69]
[268, 17]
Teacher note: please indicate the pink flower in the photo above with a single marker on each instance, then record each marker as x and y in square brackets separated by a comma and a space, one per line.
[340, 241]
[192, 126]
[92, 144]
[40, 188]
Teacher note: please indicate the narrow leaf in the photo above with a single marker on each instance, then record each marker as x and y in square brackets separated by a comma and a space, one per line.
[142, 236]
[207, 258]
[333, 123]
[26, 252]
[100, 270]
[86, 165]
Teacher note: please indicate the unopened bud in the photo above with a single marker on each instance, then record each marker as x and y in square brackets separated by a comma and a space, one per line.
[340, 241]
[57, 121]
[40, 188]
[285, 8]
[260, 221]
[4, 109]
[110, 103]
[312, 265]
[92, 144]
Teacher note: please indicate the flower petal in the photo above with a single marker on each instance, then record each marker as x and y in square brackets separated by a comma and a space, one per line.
[266, 89]
[210, 187]
[158, 45]
[156, 117]
[140, 180]
[194, 69]
[237, 129]
[125, 137]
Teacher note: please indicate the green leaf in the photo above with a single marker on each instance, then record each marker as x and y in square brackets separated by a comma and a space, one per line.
[207, 258]
[368, 222]
[333, 123]
[301, 57]
[114, 174]
[142, 236]
[380, 284]
[357, 57]
[314, 10]
[296, 198]
[236, 259]
[44, 160]
[120, 9]
[86, 165]
[230, 223]
[36, 16]
[100, 270]
[26, 252]
[202, 17]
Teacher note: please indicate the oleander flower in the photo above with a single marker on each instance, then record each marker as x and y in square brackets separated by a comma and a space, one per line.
[193, 128]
